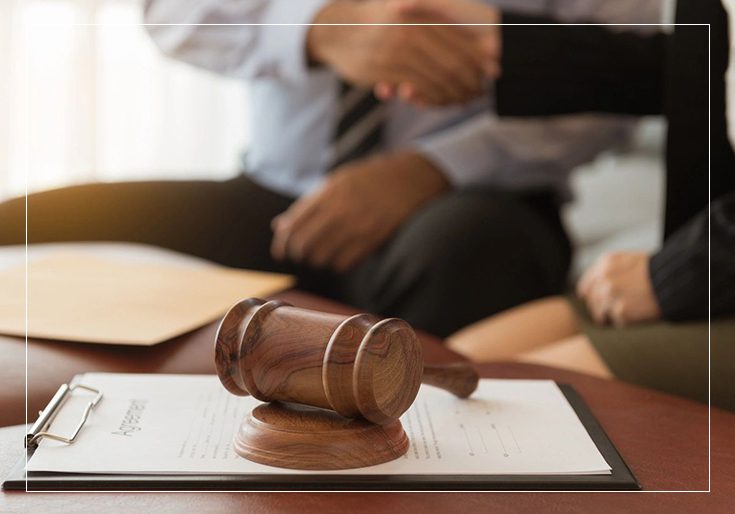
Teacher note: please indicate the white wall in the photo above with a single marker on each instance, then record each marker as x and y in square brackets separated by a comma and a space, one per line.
[81, 103]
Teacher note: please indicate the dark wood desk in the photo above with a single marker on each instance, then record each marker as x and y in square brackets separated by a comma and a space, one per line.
[51, 363]
[663, 439]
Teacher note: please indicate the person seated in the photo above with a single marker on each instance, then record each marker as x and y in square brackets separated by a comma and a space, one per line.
[393, 209]
[638, 317]
[643, 318]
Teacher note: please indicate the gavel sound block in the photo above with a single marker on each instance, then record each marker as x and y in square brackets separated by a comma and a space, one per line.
[337, 385]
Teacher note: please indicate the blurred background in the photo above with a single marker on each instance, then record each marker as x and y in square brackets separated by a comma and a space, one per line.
[85, 96]
[82, 103]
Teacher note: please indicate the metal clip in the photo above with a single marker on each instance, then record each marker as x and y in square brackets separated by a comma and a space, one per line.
[47, 415]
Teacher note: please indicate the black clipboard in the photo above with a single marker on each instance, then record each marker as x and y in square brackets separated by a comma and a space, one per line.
[620, 479]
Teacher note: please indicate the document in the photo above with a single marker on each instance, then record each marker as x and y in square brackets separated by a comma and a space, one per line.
[76, 296]
[184, 424]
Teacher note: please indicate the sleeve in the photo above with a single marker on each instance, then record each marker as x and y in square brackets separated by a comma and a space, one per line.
[692, 267]
[235, 37]
[558, 70]
[521, 152]
[526, 152]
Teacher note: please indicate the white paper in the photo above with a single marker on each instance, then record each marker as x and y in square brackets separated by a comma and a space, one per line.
[184, 424]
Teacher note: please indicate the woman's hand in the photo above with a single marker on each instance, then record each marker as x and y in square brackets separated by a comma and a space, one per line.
[617, 289]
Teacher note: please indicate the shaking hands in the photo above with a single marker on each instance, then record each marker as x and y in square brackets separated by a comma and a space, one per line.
[409, 48]
[404, 48]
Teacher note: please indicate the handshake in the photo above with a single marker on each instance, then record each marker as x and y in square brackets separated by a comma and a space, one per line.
[411, 49]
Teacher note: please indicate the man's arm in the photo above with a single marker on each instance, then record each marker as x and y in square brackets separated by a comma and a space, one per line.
[520, 153]
[446, 64]
[364, 202]
[244, 51]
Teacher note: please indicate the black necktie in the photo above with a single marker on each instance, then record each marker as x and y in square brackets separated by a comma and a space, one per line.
[360, 122]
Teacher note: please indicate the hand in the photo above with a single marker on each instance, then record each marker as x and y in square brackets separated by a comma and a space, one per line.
[442, 64]
[480, 18]
[617, 289]
[356, 211]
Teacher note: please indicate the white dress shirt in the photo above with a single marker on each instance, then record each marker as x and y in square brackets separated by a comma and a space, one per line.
[293, 112]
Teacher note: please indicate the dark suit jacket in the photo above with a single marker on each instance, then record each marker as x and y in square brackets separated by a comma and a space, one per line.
[557, 70]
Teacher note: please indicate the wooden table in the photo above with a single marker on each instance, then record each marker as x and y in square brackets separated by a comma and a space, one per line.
[51, 363]
[663, 439]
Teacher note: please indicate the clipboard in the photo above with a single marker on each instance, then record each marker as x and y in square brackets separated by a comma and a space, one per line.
[621, 477]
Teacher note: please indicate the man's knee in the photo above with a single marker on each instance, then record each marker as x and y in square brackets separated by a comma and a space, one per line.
[462, 231]
[467, 255]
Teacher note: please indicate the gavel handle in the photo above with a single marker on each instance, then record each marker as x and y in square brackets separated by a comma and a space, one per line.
[458, 378]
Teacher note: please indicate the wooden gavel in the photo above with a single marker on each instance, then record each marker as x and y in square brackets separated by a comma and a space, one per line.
[357, 365]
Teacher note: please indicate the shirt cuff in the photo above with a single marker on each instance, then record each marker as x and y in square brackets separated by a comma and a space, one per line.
[285, 46]
[459, 154]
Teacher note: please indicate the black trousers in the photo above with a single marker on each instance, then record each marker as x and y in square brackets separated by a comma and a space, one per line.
[466, 255]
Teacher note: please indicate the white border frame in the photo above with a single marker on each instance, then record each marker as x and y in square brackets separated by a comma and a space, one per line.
[709, 316]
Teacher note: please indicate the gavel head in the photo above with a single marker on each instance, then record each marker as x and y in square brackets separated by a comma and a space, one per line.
[357, 365]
